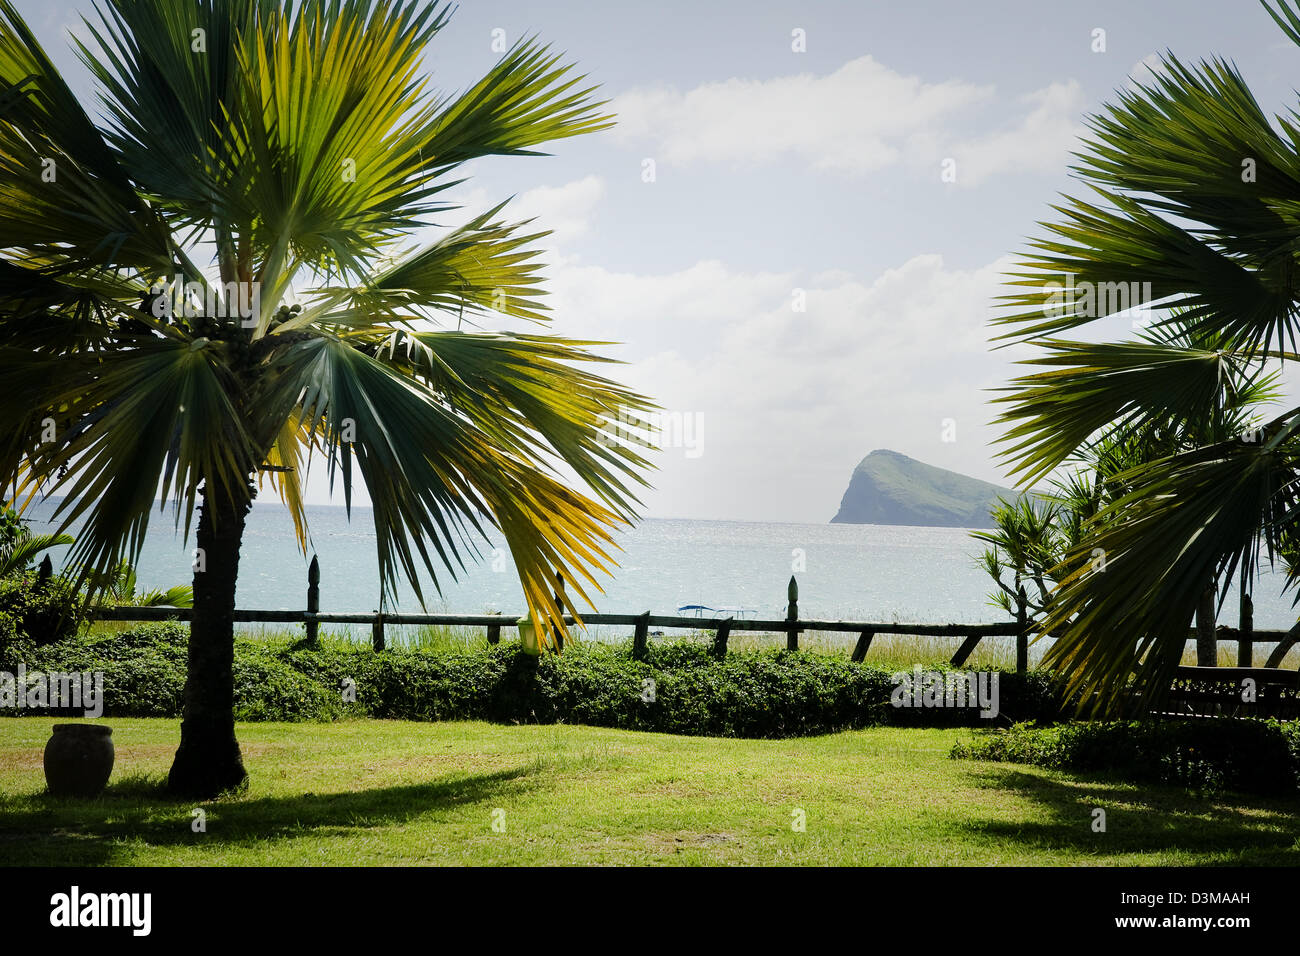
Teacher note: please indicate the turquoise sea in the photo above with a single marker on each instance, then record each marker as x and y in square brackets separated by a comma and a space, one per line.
[855, 572]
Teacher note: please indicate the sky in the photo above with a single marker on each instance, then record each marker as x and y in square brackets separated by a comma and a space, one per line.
[797, 229]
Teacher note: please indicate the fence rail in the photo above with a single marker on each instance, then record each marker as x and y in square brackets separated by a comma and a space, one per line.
[791, 625]
[1008, 629]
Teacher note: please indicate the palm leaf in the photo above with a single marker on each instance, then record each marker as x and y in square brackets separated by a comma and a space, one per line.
[479, 267]
[1186, 520]
[23, 551]
[526, 99]
[161, 409]
[1090, 386]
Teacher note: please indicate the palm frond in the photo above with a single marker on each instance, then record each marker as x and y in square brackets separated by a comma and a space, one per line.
[533, 396]
[1286, 17]
[1201, 205]
[436, 481]
[1091, 386]
[1186, 520]
[162, 409]
[478, 268]
[22, 551]
[526, 99]
[61, 177]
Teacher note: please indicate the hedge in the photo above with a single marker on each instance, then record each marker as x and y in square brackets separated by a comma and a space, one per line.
[1210, 755]
[680, 688]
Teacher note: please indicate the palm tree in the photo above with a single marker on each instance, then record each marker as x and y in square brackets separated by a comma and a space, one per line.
[1196, 219]
[1025, 541]
[294, 146]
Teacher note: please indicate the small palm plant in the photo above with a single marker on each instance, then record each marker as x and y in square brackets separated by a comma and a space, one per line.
[118, 588]
[216, 287]
[19, 548]
[1025, 543]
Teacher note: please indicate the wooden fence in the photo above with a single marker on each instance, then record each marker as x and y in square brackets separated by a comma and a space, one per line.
[791, 625]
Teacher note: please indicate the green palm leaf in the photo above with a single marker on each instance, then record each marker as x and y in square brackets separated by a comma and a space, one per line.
[1132, 385]
[20, 553]
[1195, 207]
[1185, 520]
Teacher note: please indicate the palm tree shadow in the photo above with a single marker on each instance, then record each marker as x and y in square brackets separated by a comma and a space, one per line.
[1212, 830]
[48, 831]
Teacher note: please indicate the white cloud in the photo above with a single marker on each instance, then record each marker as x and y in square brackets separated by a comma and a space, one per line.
[1145, 71]
[1040, 142]
[685, 306]
[861, 118]
[566, 210]
[856, 119]
[792, 400]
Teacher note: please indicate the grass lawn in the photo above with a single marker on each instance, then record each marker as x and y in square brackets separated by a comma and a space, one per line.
[391, 792]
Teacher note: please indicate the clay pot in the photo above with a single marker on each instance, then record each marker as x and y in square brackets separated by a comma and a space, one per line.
[78, 759]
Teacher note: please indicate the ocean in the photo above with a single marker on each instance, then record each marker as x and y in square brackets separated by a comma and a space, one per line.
[846, 572]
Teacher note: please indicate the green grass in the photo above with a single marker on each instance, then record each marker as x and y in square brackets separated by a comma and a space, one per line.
[389, 792]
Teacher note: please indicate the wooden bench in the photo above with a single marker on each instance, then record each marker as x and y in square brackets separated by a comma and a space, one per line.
[1221, 692]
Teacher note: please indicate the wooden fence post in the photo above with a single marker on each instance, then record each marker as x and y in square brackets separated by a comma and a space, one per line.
[313, 600]
[1207, 642]
[963, 652]
[494, 632]
[1245, 636]
[863, 645]
[377, 631]
[559, 601]
[720, 638]
[1022, 633]
[792, 615]
[641, 636]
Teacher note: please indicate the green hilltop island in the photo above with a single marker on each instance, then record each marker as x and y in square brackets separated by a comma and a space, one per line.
[890, 488]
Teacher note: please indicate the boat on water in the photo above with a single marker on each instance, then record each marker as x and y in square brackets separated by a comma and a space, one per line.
[716, 613]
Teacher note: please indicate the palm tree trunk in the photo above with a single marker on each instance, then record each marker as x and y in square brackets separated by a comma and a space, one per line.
[1207, 650]
[208, 760]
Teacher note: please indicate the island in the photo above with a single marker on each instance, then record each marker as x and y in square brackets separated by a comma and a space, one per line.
[890, 488]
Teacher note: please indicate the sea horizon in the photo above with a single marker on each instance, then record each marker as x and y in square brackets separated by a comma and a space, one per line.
[862, 572]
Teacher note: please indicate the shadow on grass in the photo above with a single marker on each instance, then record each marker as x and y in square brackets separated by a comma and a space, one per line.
[41, 830]
[1140, 818]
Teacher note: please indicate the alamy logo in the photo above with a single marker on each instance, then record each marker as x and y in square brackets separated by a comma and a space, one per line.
[1097, 299]
[75, 691]
[946, 689]
[74, 908]
[658, 430]
[231, 300]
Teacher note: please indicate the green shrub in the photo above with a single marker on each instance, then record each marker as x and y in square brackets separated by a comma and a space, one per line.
[38, 612]
[679, 688]
[144, 676]
[143, 671]
[266, 688]
[1251, 756]
[14, 646]
[143, 685]
[170, 637]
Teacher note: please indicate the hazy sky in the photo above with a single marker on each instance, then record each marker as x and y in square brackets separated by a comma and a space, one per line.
[784, 178]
